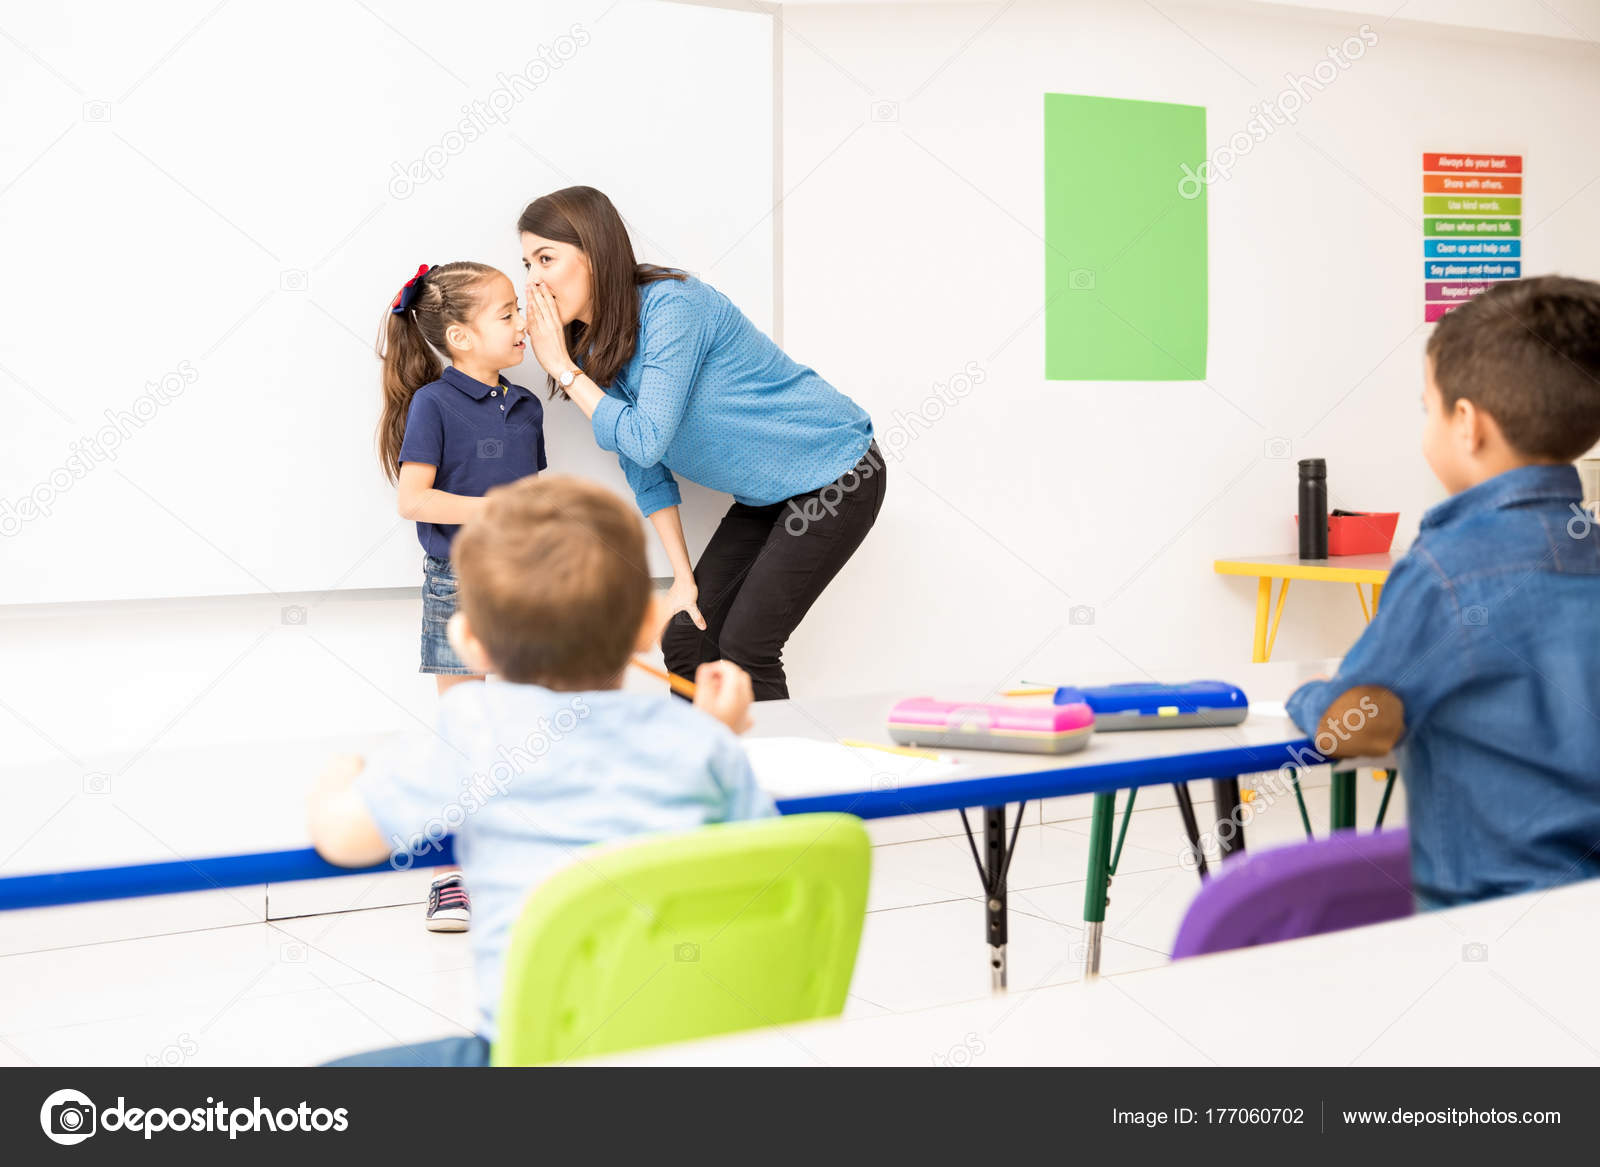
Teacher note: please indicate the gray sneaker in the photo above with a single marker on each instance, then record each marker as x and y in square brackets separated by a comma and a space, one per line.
[449, 909]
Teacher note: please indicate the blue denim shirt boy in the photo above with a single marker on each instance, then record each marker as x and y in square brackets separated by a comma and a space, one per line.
[1489, 633]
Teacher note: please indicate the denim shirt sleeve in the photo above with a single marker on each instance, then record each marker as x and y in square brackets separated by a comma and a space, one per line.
[1415, 647]
[675, 333]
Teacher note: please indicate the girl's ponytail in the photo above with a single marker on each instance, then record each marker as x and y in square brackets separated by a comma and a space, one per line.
[409, 363]
[412, 341]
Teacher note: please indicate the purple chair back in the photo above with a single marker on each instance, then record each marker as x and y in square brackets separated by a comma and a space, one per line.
[1342, 881]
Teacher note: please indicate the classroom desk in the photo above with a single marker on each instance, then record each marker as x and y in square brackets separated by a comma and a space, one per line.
[1372, 570]
[990, 780]
[1506, 982]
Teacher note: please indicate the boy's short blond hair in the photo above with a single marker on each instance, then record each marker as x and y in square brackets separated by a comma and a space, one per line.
[553, 581]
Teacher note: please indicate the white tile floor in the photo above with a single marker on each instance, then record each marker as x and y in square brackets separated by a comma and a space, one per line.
[304, 990]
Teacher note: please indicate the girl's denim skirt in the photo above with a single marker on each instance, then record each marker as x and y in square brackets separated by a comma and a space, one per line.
[438, 605]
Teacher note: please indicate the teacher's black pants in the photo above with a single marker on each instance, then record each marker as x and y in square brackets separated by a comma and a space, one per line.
[764, 568]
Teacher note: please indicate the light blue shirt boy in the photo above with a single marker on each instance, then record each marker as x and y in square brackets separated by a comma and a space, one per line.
[524, 777]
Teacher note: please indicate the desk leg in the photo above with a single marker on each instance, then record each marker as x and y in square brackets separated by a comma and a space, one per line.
[993, 877]
[1342, 801]
[1230, 839]
[1388, 789]
[1258, 652]
[1191, 827]
[1300, 800]
[1095, 898]
[994, 836]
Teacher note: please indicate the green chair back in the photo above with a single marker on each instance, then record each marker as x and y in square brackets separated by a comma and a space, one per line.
[730, 927]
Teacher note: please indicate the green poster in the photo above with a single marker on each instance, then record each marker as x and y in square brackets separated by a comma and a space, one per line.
[1125, 239]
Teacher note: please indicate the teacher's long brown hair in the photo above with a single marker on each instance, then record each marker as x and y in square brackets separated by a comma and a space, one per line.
[583, 217]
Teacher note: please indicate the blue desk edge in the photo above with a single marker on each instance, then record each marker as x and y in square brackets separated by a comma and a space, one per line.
[87, 885]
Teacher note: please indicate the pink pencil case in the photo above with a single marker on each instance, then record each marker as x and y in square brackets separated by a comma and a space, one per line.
[1032, 729]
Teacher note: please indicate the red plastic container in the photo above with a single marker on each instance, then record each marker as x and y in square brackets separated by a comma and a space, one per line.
[1363, 533]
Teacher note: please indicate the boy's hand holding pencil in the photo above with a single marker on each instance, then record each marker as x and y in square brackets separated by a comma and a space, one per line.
[722, 689]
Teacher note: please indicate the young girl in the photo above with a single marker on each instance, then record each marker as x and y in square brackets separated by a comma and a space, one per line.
[446, 436]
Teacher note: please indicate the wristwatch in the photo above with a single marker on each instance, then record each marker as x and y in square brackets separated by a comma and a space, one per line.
[566, 379]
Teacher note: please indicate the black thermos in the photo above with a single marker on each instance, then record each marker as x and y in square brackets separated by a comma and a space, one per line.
[1313, 508]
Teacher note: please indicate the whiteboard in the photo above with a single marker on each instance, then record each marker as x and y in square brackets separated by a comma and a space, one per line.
[204, 211]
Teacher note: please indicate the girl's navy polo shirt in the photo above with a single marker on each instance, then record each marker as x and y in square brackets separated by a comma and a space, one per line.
[476, 436]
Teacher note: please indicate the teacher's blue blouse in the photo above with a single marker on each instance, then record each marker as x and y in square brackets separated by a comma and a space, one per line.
[709, 396]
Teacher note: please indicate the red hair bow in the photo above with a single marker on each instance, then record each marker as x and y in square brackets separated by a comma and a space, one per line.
[408, 291]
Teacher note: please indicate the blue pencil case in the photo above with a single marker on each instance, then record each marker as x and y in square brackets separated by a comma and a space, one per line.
[1144, 705]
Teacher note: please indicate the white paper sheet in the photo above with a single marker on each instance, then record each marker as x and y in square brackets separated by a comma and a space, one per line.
[792, 767]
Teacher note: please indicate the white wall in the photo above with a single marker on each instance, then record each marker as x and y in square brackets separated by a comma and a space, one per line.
[1569, 19]
[912, 247]
[98, 300]
[1031, 496]
[220, 203]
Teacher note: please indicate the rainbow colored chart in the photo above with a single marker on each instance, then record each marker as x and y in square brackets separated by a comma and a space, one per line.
[1472, 226]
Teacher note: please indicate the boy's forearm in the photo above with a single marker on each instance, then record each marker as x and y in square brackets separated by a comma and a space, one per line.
[343, 833]
[338, 822]
[1366, 721]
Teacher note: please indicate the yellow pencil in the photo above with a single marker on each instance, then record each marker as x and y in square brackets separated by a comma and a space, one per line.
[678, 684]
[910, 753]
[1038, 692]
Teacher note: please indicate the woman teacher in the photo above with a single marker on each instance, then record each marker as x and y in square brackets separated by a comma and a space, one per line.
[675, 380]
